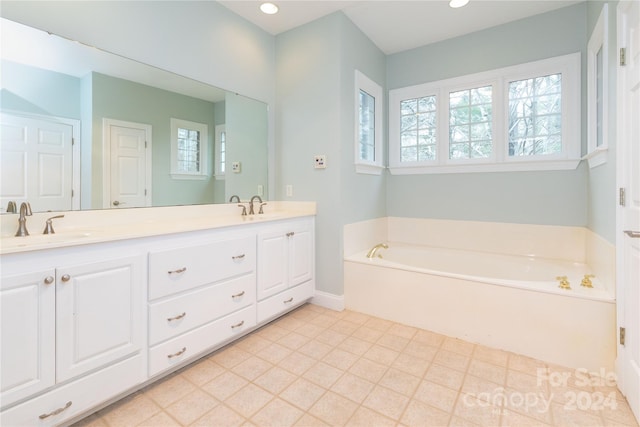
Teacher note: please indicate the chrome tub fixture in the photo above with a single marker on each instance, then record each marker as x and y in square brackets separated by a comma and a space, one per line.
[372, 252]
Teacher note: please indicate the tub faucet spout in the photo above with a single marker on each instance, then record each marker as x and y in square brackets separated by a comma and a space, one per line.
[372, 252]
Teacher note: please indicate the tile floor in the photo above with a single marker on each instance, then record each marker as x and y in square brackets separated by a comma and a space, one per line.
[317, 367]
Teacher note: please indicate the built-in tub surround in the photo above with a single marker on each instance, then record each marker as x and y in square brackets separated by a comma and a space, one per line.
[85, 227]
[491, 283]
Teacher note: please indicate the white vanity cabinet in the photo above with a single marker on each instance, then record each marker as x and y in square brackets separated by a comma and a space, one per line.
[200, 296]
[66, 330]
[285, 266]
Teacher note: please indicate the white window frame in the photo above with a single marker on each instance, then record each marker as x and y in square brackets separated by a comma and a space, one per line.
[499, 161]
[204, 148]
[376, 166]
[597, 154]
[220, 129]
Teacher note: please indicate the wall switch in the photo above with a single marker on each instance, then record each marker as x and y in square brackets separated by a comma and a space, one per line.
[235, 167]
[289, 190]
[320, 161]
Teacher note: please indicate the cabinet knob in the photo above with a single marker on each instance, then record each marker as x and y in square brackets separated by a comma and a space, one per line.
[65, 278]
[48, 280]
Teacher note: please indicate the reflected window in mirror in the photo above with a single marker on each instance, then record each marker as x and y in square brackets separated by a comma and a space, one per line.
[221, 151]
[188, 149]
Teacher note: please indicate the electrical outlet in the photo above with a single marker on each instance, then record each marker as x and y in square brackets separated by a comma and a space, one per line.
[235, 167]
[289, 190]
[320, 161]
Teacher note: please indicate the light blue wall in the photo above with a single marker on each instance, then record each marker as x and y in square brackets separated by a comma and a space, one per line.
[601, 209]
[556, 197]
[315, 92]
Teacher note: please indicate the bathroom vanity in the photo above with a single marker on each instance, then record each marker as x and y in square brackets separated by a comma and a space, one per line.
[114, 302]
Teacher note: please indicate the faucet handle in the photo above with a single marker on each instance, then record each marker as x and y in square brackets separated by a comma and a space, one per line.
[48, 228]
[244, 209]
[261, 211]
[586, 280]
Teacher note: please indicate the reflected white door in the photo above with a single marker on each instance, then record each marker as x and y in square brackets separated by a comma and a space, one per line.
[628, 228]
[36, 162]
[129, 164]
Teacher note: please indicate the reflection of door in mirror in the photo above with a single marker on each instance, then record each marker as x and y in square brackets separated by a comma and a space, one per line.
[37, 162]
[128, 183]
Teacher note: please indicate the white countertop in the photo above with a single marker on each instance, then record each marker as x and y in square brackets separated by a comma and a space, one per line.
[97, 226]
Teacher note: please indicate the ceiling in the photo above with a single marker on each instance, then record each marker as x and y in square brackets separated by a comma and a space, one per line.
[397, 25]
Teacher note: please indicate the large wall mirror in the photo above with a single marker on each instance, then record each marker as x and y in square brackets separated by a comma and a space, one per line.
[82, 128]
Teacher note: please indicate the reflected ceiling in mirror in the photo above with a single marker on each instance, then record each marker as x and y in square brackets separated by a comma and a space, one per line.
[65, 89]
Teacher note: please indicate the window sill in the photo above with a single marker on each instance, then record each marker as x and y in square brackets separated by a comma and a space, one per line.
[597, 157]
[369, 169]
[220, 177]
[520, 166]
[181, 176]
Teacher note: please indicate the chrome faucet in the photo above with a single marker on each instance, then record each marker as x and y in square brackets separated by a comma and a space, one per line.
[25, 211]
[251, 211]
[373, 250]
[234, 197]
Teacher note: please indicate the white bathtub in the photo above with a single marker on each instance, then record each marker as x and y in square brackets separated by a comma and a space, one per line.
[510, 302]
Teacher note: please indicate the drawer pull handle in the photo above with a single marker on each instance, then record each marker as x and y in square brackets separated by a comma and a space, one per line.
[171, 356]
[288, 301]
[56, 412]
[238, 295]
[65, 278]
[237, 325]
[178, 317]
[238, 256]
[178, 271]
[291, 233]
[48, 280]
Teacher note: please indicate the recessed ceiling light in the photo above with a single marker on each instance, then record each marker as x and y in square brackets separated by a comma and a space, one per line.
[270, 8]
[458, 3]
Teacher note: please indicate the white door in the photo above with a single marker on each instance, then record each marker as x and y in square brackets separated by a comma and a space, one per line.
[36, 162]
[628, 227]
[129, 164]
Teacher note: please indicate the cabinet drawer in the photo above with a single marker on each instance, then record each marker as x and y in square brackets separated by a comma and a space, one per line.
[186, 346]
[83, 394]
[180, 269]
[179, 314]
[285, 300]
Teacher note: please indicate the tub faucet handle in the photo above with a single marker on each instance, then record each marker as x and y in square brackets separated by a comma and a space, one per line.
[586, 280]
[563, 282]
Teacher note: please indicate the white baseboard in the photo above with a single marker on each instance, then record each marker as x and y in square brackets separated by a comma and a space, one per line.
[327, 300]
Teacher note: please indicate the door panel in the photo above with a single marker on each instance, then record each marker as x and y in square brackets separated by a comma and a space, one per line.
[128, 166]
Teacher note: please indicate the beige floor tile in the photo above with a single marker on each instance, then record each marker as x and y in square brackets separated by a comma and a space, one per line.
[368, 334]
[272, 332]
[436, 395]
[445, 376]
[169, 390]
[274, 353]
[515, 419]
[452, 360]
[221, 415]
[224, 385]
[617, 411]
[491, 355]
[353, 387]
[323, 375]
[574, 417]
[483, 389]
[277, 413]
[131, 411]
[248, 400]
[293, 340]
[488, 371]
[310, 330]
[275, 380]
[203, 372]
[291, 323]
[525, 364]
[393, 342]
[297, 363]
[161, 419]
[333, 409]
[331, 337]
[381, 354]
[310, 421]
[421, 414]
[229, 357]
[315, 349]
[355, 345]
[323, 321]
[191, 407]
[379, 324]
[429, 337]
[302, 393]
[461, 422]
[458, 346]
[400, 382]
[365, 417]
[344, 327]
[411, 364]
[358, 318]
[340, 359]
[253, 343]
[387, 402]
[524, 382]
[533, 404]
[368, 369]
[92, 421]
[477, 411]
[402, 330]
[251, 368]
[421, 350]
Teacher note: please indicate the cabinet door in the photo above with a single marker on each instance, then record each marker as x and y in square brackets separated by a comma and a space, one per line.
[98, 314]
[301, 255]
[272, 262]
[27, 340]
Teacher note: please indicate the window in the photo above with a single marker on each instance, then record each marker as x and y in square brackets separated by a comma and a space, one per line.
[597, 93]
[368, 113]
[525, 117]
[221, 151]
[189, 142]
